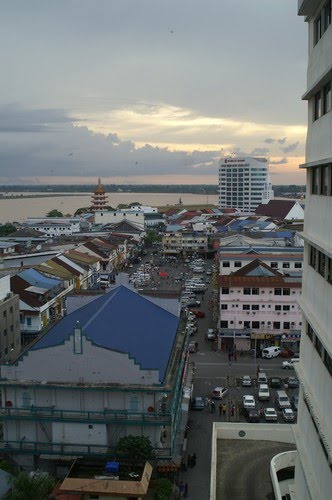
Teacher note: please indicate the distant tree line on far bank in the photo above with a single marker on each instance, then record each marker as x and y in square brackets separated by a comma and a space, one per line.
[207, 189]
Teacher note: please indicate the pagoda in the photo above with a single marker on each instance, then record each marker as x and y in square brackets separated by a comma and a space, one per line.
[99, 200]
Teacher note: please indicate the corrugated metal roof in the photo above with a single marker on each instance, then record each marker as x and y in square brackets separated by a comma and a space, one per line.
[37, 279]
[122, 321]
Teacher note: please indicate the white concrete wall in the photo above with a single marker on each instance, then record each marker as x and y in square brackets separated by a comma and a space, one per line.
[75, 433]
[225, 271]
[4, 287]
[63, 365]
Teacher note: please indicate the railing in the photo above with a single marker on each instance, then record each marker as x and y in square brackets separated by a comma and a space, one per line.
[69, 449]
[106, 415]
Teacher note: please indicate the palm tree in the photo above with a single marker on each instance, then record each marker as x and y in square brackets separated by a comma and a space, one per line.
[31, 487]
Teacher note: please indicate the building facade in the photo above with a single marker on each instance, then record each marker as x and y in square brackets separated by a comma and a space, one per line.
[244, 183]
[313, 476]
[10, 335]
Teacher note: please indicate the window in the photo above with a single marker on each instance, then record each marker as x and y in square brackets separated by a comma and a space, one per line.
[277, 308]
[246, 307]
[224, 306]
[5, 332]
[223, 324]
[255, 291]
[5, 314]
[286, 325]
[255, 324]
[11, 309]
[298, 265]
[225, 290]
[246, 324]
[321, 263]
[29, 321]
[237, 263]
[286, 291]
[286, 308]
[327, 98]
[247, 291]
[315, 180]
[226, 263]
[318, 29]
[325, 188]
[277, 291]
[274, 265]
[317, 105]
[310, 332]
[285, 265]
[255, 307]
[276, 325]
[318, 345]
[328, 362]
[327, 14]
[313, 257]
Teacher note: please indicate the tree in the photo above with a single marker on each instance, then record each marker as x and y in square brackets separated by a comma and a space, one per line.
[54, 213]
[137, 448]
[7, 228]
[163, 489]
[26, 487]
[152, 237]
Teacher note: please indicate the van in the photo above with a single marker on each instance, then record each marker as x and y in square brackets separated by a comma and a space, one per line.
[262, 378]
[271, 352]
[282, 400]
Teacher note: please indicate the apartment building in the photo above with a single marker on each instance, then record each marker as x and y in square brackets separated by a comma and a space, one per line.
[10, 335]
[183, 243]
[244, 183]
[313, 470]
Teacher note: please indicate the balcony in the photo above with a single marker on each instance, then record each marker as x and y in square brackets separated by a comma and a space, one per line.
[106, 416]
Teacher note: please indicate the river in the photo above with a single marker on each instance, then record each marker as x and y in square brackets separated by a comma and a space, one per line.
[18, 209]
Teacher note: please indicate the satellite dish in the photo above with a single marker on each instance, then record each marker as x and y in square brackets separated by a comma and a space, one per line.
[38, 247]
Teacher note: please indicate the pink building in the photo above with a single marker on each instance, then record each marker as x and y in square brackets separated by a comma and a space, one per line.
[259, 307]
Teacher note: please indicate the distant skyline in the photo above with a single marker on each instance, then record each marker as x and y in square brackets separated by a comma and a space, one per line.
[151, 92]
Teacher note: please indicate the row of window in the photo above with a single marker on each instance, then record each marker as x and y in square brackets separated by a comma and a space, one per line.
[321, 179]
[319, 348]
[322, 101]
[322, 21]
[276, 325]
[273, 265]
[256, 291]
[255, 307]
[321, 263]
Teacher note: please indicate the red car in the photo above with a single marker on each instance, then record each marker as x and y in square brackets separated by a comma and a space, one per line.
[198, 314]
[287, 353]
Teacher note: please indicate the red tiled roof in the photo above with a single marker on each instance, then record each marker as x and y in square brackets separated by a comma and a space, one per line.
[276, 208]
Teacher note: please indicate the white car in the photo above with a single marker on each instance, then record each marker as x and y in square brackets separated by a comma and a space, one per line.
[270, 415]
[249, 402]
[289, 364]
[246, 381]
[288, 415]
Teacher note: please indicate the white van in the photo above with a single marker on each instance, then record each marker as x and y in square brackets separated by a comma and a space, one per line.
[271, 352]
[282, 400]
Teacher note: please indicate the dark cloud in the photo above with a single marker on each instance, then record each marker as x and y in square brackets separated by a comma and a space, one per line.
[291, 147]
[269, 140]
[283, 161]
[15, 119]
[282, 141]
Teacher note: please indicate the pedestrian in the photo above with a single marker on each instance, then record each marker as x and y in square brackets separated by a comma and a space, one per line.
[220, 409]
[188, 460]
[196, 346]
[224, 409]
[258, 370]
[232, 410]
[185, 490]
[181, 489]
[235, 355]
[213, 406]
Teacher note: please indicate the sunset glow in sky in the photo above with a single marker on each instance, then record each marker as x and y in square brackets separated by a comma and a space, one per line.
[149, 92]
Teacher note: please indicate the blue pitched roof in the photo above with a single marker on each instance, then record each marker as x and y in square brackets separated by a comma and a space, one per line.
[124, 321]
[36, 278]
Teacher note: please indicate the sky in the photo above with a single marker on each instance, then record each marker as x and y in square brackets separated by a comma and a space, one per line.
[149, 91]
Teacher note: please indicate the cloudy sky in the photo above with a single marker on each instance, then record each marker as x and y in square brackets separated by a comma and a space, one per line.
[149, 91]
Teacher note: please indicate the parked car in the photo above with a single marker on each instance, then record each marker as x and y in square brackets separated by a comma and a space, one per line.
[263, 392]
[246, 381]
[271, 352]
[253, 416]
[287, 353]
[292, 382]
[210, 334]
[288, 415]
[219, 392]
[249, 402]
[270, 415]
[199, 314]
[198, 403]
[282, 400]
[275, 382]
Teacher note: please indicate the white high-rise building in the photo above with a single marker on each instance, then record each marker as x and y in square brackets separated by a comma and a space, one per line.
[313, 470]
[244, 183]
